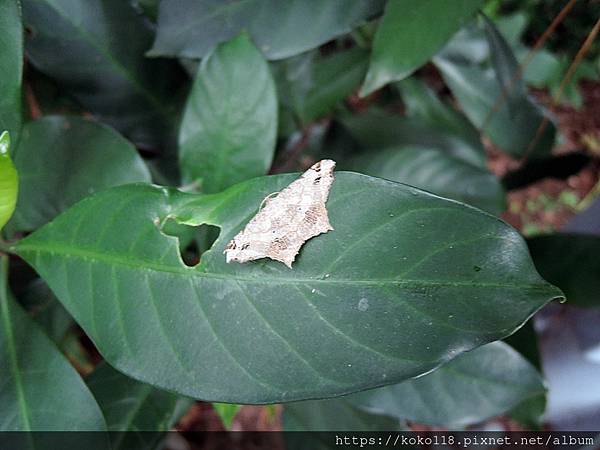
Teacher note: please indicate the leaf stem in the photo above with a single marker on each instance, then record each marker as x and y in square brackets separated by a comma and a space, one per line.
[5, 248]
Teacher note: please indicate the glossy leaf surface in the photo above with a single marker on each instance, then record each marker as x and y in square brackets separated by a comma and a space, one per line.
[230, 121]
[406, 282]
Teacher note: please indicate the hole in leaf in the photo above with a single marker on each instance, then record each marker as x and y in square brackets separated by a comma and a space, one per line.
[193, 241]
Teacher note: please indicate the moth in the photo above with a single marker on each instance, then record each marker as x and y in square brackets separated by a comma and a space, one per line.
[287, 219]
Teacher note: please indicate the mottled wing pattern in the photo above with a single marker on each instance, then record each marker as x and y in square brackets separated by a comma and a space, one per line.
[287, 220]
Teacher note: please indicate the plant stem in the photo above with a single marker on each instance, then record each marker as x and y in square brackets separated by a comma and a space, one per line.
[5, 247]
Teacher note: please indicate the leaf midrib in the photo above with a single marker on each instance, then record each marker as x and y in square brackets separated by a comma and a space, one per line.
[194, 272]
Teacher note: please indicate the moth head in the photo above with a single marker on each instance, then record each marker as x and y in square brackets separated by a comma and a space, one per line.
[322, 167]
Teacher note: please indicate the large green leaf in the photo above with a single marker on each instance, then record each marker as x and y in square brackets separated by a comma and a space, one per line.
[192, 28]
[572, 262]
[312, 84]
[40, 391]
[9, 181]
[11, 63]
[475, 386]
[436, 171]
[63, 159]
[230, 122]
[411, 32]
[406, 282]
[95, 49]
[135, 407]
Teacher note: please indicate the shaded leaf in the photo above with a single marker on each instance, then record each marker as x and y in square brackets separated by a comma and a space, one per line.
[192, 28]
[328, 416]
[334, 414]
[436, 171]
[9, 181]
[129, 405]
[530, 412]
[230, 122]
[40, 390]
[512, 127]
[411, 32]
[63, 159]
[378, 129]
[96, 51]
[148, 7]
[473, 387]
[421, 102]
[394, 291]
[570, 261]
[312, 84]
[46, 310]
[11, 62]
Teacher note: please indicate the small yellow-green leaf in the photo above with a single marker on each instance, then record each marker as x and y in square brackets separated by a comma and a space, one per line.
[8, 181]
[226, 412]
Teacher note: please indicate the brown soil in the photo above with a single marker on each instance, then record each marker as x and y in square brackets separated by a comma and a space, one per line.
[544, 203]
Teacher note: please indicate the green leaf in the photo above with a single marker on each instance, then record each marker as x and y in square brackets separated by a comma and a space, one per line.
[530, 412]
[129, 405]
[11, 62]
[230, 122]
[47, 311]
[40, 390]
[226, 412]
[421, 102]
[512, 126]
[331, 415]
[471, 388]
[9, 181]
[378, 129]
[312, 84]
[101, 63]
[411, 32]
[327, 416]
[505, 65]
[571, 262]
[406, 282]
[192, 28]
[63, 159]
[436, 171]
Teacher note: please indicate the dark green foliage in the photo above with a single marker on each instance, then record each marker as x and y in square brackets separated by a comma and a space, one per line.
[206, 98]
